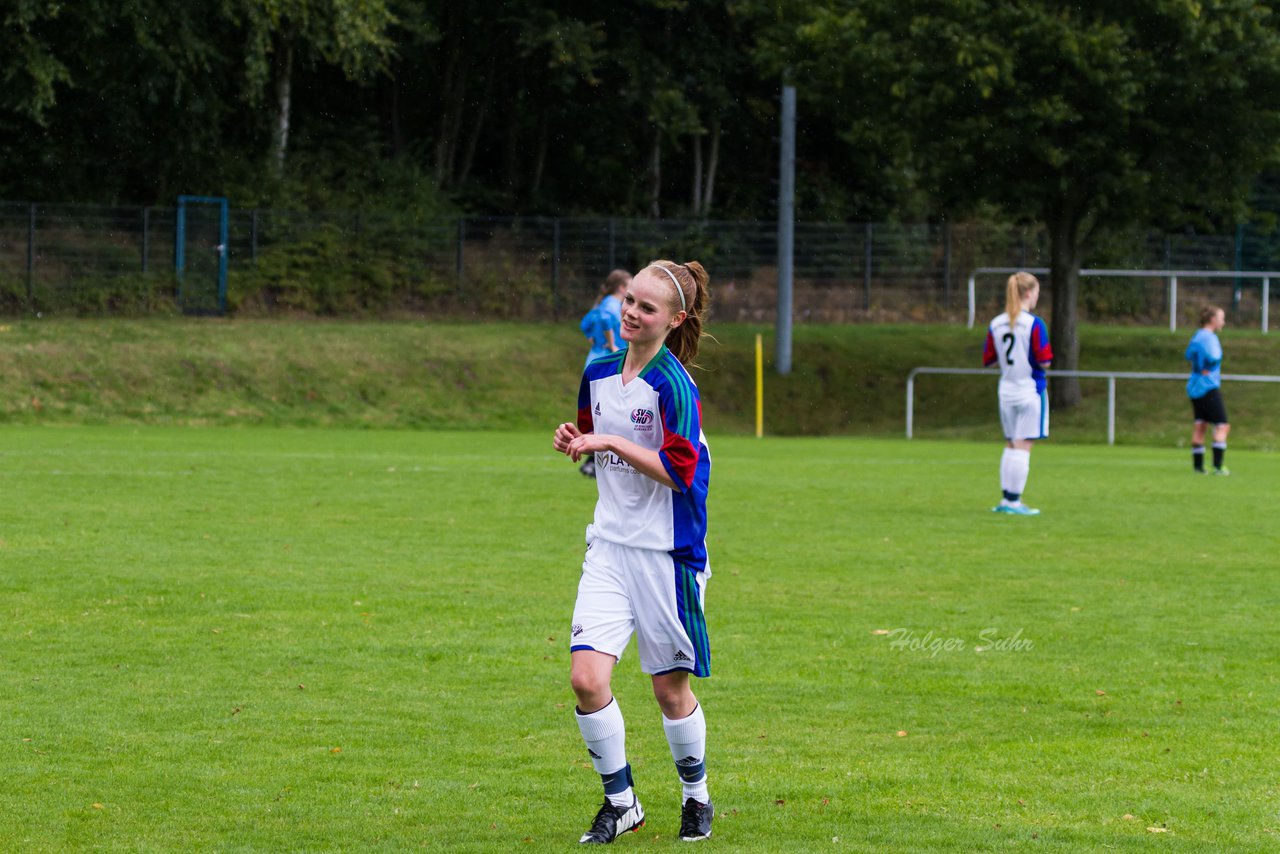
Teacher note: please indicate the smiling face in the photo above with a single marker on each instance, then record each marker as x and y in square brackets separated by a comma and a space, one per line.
[647, 313]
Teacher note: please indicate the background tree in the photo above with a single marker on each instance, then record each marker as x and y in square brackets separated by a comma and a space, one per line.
[1082, 116]
[349, 34]
[1085, 116]
[30, 70]
[109, 97]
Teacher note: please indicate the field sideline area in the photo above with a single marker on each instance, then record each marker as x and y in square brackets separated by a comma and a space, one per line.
[846, 379]
[263, 639]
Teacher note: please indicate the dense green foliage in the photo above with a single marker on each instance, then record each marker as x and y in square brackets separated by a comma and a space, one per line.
[846, 379]
[1083, 120]
[1160, 111]
[1084, 116]
[323, 640]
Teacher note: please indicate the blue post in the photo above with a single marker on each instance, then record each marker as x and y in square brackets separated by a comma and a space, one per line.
[180, 244]
[1239, 262]
[786, 227]
[180, 240]
[31, 255]
[224, 234]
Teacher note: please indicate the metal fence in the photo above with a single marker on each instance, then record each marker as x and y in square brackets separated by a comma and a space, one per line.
[1109, 376]
[80, 259]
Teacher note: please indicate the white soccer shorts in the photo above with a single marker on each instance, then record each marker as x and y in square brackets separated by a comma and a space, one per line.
[1027, 418]
[625, 591]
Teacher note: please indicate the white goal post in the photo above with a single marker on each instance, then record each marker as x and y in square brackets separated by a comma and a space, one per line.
[1109, 376]
[1172, 275]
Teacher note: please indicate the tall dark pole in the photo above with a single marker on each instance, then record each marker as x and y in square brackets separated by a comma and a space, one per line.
[786, 226]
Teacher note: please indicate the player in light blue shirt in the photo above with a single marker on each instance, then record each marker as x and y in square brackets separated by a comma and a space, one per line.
[603, 323]
[1205, 355]
[611, 305]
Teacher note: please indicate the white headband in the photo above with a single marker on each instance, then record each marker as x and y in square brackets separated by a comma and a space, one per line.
[674, 281]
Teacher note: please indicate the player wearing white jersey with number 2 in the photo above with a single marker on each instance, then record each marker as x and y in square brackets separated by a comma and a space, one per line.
[1018, 342]
[646, 570]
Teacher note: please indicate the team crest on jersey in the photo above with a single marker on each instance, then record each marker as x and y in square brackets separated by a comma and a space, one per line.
[642, 419]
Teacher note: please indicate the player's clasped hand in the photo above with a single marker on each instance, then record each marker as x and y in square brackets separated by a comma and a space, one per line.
[587, 443]
[565, 434]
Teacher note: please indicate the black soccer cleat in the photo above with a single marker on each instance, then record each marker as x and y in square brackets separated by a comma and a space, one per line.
[695, 820]
[613, 821]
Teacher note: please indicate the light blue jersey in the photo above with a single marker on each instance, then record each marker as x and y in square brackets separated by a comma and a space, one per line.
[607, 316]
[611, 307]
[1205, 354]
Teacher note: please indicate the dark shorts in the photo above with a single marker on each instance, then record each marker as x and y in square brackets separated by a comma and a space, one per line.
[1210, 408]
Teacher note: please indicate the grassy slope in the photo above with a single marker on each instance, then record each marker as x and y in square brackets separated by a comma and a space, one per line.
[846, 379]
[275, 640]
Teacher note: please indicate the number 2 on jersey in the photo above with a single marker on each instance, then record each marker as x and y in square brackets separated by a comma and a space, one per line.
[1007, 338]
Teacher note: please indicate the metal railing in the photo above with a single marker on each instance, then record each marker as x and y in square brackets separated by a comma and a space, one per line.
[1172, 275]
[1109, 376]
[60, 257]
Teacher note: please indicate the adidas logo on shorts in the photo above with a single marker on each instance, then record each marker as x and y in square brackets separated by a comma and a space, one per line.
[680, 656]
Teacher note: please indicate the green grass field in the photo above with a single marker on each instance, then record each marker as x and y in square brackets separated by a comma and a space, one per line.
[846, 380]
[253, 639]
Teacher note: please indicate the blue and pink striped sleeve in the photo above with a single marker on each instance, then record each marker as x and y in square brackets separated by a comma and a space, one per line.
[1040, 348]
[681, 427]
[989, 351]
[585, 422]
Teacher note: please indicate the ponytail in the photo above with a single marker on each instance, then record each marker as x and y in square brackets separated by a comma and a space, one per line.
[1015, 291]
[693, 282]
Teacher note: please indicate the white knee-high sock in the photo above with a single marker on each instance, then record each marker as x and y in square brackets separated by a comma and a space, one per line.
[1019, 469]
[605, 734]
[1004, 473]
[688, 740]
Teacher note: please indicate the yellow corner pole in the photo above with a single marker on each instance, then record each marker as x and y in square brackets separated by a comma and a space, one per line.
[759, 385]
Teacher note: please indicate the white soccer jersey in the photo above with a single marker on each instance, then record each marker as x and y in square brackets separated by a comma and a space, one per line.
[1022, 350]
[658, 410]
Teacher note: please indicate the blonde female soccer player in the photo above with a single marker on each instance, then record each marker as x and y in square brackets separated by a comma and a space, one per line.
[1018, 341]
[646, 569]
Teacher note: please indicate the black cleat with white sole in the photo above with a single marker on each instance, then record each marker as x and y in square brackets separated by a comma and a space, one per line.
[695, 820]
[613, 821]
